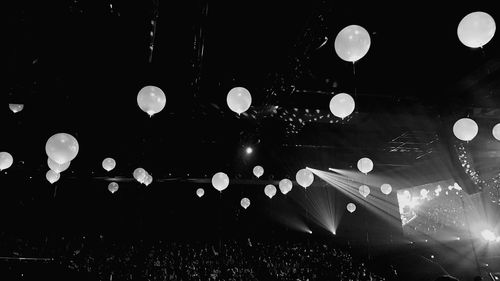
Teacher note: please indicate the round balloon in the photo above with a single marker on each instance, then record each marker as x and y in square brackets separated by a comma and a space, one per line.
[245, 203]
[239, 99]
[351, 207]
[258, 171]
[58, 168]
[151, 100]
[140, 174]
[148, 179]
[113, 187]
[365, 165]
[220, 181]
[270, 190]
[342, 105]
[386, 188]
[476, 29]
[352, 43]
[496, 131]
[364, 190]
[52, 176]
[15, 107]
[6, 160]
[62, 148]
[304, 178]
[108, 164]
[465, 129]
[285, 186]
[200, 192]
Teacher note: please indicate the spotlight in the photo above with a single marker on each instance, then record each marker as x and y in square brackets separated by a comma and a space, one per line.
[249, 150]
[488, 235]
[310, 232]
[432, 256]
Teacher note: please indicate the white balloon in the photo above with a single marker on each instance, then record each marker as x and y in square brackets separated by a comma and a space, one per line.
[351, 207]
[476, 29]
[239, 99]
[113, 187]
[258, 171]
[364, 190]
[140, 174]
[386, 188]
[151, 100]
[62, 148]
[108, 164]
[6, 160]
[465, 129]
[245, 203]
[365, 165]
[148, 179]
[342, 105]
[270, 190]
[220, 181]
[16, 107]
[304, 178]
[285, 186]
[200, 192]
[496, 131]
[352, 43]
[52, 176]
[58, 168]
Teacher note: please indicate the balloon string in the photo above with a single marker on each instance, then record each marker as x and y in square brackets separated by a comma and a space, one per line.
[55, 190]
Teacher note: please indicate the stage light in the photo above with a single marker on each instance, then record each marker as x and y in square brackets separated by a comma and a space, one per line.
[489, 236]
[249, 150]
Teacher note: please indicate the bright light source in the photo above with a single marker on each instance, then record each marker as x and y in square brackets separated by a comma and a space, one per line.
[310, 231]
[432, 256]
[488, 235]
[249, 150]
[458, 238]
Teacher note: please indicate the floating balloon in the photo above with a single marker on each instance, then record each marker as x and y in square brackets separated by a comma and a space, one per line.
[151, 100]
[476, 29]
[239, 99]
[365, 165]
[386, 188]
[58, 168]
[113, 187]
[109, 164]
[352, 43]
[304, 178]
[220, 181]
[200, 192]
[364, 190]
[15, 107]
[342, 105]
[270, 190]
[285, 186]
[6, 160]
[148, 179]
[465, 129]
[258, 171]
[52, 176]
[351, 207]
[245, 203]
[62, 148]
[496, 131]
[140, 175]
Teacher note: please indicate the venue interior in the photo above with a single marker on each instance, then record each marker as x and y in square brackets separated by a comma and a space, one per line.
[250, 140]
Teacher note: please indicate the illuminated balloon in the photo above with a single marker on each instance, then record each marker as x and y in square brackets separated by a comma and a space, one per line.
[496, 131]
[465, 129]
[351, 207]
[304, 178]
[52, 176]
[58, 168]
[109, 164]
[364, 190]
[245, 203]
[6, 160]
[148, 179]
[140, 175]
[352, 43]
[151, 100]
[365, 165]
[113, 187]
[476, 29]
[220, 181]
[200, 192]
[342, 105]
[258, 171]
[285, 186]
[62, 148]
[239, 99]
[270, 190]
[15, 107]
[386, 188]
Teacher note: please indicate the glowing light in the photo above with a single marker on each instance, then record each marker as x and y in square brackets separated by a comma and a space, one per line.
[249, 150]
[488, 235]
